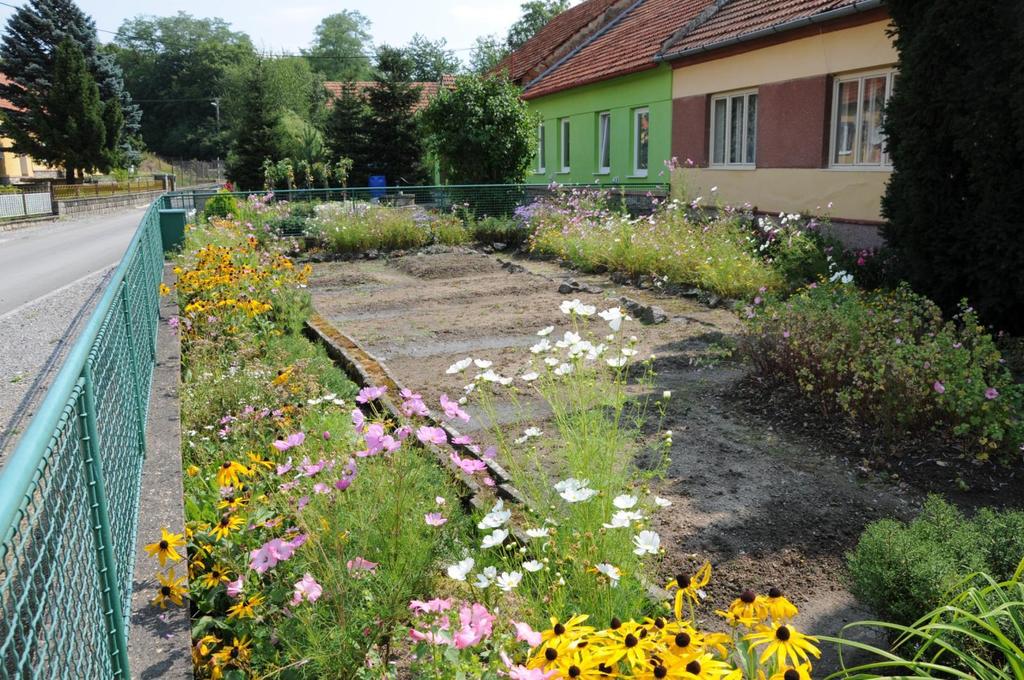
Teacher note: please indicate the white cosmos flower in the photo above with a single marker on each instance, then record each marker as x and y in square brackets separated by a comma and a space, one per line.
[495, 538]
[569, 306]
[563, 369]
[490, 376]
[571, 483]
[486, 577]
[624, 502]
[596, 351]
[616, 362]
[529, 377]
[586, 310]
[647, 543]
[533, 566]
[509, 580]
[497, 517]
[662, 502]
[459, 366]
[578, 495]
[469, 388]
[619, 520]
[578, 348]
[537, 533]
[611, 571]
[613, 316]
[551, 361]
[529, 433]
[482, 363]
[546, 331]
[460, 570]
[629, 352]
[542, 346]
[568, 340]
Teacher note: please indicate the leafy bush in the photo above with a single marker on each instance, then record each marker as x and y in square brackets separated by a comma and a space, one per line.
[222, 205]
[904, 571]
[491, 230]
[354, 228]
[449, 230]
[889, 360]
[290, 225]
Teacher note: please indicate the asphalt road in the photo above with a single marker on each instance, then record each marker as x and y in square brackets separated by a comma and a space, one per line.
[44, 258]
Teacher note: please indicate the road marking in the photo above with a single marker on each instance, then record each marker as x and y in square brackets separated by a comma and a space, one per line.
[56, 291]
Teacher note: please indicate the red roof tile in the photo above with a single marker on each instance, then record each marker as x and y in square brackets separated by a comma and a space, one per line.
[740, 17]
[4, 104]
[428, 90]
[626, 46]
[564, 32]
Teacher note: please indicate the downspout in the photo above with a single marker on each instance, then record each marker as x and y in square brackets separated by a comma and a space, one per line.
[856, 8]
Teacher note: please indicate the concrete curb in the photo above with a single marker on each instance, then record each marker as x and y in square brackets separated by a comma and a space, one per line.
[160, 641]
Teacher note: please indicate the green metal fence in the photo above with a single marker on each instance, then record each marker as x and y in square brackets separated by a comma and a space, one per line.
[482, 200]
[69, 492]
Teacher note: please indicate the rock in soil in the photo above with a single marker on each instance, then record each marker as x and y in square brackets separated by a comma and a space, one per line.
[573, 286]
[648, 314]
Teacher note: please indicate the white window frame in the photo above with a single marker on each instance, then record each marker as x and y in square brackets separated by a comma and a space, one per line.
[602, 140]
[564, 145]
[859, 77]
[541, 155]
[638, 171]
[728, 96]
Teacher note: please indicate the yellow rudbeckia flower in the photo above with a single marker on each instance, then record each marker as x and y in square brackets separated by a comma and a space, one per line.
[170, 590]
[165, 548]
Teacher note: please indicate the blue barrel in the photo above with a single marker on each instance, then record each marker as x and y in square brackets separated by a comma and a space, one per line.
[377, 184]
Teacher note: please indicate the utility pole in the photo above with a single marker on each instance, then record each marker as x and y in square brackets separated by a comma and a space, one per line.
[216, 104]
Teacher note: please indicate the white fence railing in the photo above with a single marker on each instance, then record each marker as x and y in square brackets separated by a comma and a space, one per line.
[25, 204]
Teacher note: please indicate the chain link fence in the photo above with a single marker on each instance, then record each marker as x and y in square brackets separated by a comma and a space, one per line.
[69, 492]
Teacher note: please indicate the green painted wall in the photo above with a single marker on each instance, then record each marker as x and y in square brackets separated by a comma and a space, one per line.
[582, 105]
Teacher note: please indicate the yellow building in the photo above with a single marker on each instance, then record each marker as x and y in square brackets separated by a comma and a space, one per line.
[779, 104]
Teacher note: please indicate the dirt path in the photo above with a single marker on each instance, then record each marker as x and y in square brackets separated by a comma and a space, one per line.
[765, 507]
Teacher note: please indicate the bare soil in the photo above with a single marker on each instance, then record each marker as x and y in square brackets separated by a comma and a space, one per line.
[759, 487]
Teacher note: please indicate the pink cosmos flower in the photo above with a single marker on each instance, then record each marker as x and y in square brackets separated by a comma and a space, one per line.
[327, 436]
[358, 565]
[452, 409]
[303, 502]
[468, 465]
[321, 488]
[274, 551]
[432, 435]
[284, 468]
[434, 519]
[306, 589]
[412, 404]
[368, 394]
[377, 441]
[476, 625]
[490, 453]
[991, 393]
[235, 587]
[435, 606]
[290, 441]
[358, 420]
[488, 481]
[526, 634]
[343, 483]
[402, 433]
[463, 440]
[938, 387]
[173, 322]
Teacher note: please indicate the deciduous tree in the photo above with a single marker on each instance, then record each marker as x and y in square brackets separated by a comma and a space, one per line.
[341, 47]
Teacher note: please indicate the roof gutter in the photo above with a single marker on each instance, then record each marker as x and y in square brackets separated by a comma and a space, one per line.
[572, 53]
[856, 8]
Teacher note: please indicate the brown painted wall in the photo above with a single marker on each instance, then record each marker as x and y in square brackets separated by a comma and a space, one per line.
[690, 129]
[792, 123]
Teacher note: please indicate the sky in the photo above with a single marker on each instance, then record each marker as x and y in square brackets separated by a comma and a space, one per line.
[277, 25]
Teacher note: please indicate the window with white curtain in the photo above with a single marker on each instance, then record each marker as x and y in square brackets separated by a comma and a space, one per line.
[858, 104]
[734, 129]
[604, 142]
[563, 144]
[641, 141]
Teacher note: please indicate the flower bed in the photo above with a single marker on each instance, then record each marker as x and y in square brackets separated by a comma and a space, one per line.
[324, 540]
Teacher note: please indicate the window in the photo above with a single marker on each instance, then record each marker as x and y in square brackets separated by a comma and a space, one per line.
[734, 129]
[858, 103]
[564, 144]
[641, 141]
[604, 142]
[542, 165]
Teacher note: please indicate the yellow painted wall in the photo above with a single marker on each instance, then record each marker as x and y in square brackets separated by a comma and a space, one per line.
[855, 194]
[12, 167]
[851, 49]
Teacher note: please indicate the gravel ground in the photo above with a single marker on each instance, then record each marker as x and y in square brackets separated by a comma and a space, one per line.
[36, 338]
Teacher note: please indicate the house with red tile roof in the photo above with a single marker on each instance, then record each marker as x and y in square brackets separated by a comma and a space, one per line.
[428, 89]
[778, 103]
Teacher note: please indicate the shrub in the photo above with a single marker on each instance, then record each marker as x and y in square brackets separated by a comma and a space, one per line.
[221, 204]
[449, 230]
[889, 360]
[290, 225]
[491, 230]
